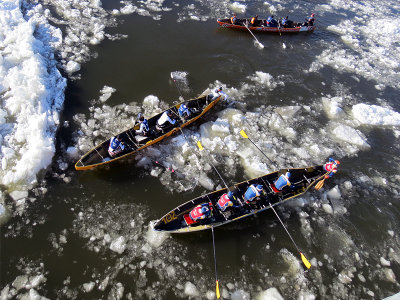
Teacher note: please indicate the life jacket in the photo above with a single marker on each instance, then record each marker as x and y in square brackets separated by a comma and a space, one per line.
[196, 213]
[282, 181]
[253, 20]
[183, 110]
[233, 20]
[251, 193]
[224, 202]
[115, 147]
[114, 143]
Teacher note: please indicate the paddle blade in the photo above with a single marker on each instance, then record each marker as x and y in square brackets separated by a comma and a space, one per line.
[217, 290]
[243, 134]
[319, 185]
[305, 261]
[200, 146]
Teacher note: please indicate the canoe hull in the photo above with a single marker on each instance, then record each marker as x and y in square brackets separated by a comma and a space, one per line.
[226, 23]
[303, 180]
[99, 156]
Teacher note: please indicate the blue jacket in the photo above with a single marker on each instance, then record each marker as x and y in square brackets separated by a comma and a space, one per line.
[282, 181]
[184, 111]
[251, 193]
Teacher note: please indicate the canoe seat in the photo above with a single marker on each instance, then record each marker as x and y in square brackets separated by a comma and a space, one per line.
[140, 138]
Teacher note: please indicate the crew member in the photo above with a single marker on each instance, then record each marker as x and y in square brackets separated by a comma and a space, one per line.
[331, 167]
[165, 119]
[310, 20]
[253, 192]
[144, 128]
[226, 200]
[271, 22]
[283, 181]
[184, 111]
[234, 19]
[254, 21]
[116, 146]
[200, 212]
[218, 92]
[285, 21]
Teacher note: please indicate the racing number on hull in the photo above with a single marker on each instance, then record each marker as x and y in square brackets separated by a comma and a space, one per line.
[170, 217]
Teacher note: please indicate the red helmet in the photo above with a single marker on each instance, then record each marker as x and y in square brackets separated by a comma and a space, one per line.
[313, 15]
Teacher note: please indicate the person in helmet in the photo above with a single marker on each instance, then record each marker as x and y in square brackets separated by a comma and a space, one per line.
[283, 181]
[200, 212]
[331, 167]
[227, 200]
[116, 146]
[217, 93]
[310, 20]
[254, 21]
[166, 119]
[271, 22]
[284, 21]
[144, 128]
[184, 112]
[234, 19]
[253, 192]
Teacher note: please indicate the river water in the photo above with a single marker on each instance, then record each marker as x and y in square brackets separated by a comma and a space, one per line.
[302, 98]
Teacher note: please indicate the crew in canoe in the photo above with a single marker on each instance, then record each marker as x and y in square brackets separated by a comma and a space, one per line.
[116, 146]
[227, 200]
[200, 212]
[310, 20]
[144, 129]
[331, 167]
[218, 92]
[184, 111]
[271, 22]
[283, 181]
[253, 192]
[166, 120]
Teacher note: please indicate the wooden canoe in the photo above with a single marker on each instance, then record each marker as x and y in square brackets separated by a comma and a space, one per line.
[178, 220]
[99, 155]
[279, 30]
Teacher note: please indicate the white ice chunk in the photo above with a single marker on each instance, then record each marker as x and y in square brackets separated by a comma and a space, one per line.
[350, 135]
[118, 245]
[270, 294]
[191, 290]
[375, 115]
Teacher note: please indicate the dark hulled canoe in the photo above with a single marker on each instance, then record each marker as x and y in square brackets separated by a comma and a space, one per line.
[296, 29]
[178, 221]
[99, 154]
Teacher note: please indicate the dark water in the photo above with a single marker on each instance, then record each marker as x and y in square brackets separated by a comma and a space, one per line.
[62, 234]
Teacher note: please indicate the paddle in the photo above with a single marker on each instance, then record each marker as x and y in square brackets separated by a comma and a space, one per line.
[258, 42]
[283, 44]
[320, 184]
[243, 134]
[215, 265]
[303, 258]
